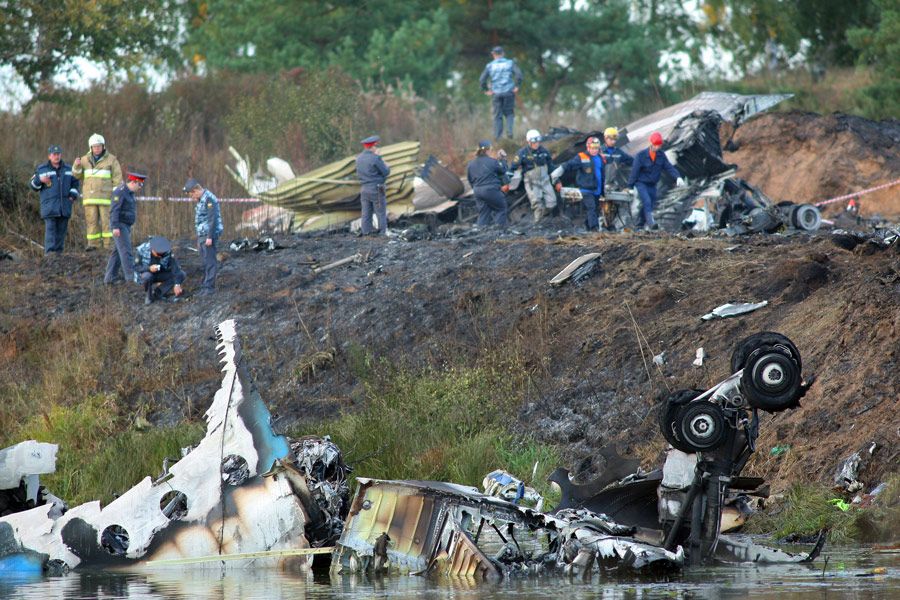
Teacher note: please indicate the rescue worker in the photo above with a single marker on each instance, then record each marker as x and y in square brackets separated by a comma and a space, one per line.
[505, 79]
[101, 174]
[208, 225]
[589, 174]
[122, 216]
[372, 172]
[536, 164]
[610, 153]
[156, 268]
[487, 176]
[648, 166]
[58, 191]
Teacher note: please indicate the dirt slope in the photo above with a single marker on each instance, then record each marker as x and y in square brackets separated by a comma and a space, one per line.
[430, 301]
[805, 157]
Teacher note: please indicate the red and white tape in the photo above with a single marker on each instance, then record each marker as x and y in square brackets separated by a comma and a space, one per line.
[856, 194]
[221, 200]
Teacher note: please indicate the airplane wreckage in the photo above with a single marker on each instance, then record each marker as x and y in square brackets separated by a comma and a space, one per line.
[276, 502]
[328, 197]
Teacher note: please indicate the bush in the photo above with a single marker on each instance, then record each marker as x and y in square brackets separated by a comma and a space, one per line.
[453, 424]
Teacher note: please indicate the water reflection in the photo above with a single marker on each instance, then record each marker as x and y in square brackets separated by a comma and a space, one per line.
[847, 576]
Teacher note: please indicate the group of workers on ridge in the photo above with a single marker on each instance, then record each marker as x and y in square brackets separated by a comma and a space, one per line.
[110, 208]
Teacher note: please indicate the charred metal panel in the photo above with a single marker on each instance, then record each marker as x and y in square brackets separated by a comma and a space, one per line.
[224, 515]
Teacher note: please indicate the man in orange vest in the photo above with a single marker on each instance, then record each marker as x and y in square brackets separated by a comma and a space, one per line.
[645, 173]
[589, 174]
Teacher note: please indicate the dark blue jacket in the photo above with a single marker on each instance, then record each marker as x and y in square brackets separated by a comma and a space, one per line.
[486, 172]
[56, 198]
[588, 172]
[123, 210]
[648, 172]
[616, 155]
[371, 168]
[529, 159]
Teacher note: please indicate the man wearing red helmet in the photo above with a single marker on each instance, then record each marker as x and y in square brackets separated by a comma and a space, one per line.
[645, 173]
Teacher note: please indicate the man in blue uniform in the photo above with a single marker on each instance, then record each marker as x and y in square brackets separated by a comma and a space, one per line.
[487, 176]
[505, 79]
[536, 164]
[645, 173]
[122, 216]
[610, 153]
[157, 270]
[372, 172]
[59, 189]
[589, 174]
[208, 225]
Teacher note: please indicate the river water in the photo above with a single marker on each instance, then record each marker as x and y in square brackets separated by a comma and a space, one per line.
[855, 573]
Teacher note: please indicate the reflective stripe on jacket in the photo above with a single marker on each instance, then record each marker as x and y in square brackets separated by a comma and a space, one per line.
[588, 172]
[100, 176]
[58, 196]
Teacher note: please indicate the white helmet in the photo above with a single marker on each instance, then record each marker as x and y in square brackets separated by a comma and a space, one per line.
[533, 135]
[96, 139]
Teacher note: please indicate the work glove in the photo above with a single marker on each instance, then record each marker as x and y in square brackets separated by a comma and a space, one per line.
[680, 182]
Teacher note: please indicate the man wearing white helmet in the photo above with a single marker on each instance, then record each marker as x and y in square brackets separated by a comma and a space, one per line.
[101, 174]
[536, 164]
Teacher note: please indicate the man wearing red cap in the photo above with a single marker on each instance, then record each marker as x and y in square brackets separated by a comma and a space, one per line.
[645, 173]
[372, 173]
[122, 216]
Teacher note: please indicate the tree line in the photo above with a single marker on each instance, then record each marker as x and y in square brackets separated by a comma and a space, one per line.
[575, 54]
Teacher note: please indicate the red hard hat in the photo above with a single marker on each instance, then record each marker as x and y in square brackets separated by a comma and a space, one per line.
[656, 138]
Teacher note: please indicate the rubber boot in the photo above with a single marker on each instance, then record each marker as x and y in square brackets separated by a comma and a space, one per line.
[148, 295]
[538, 213]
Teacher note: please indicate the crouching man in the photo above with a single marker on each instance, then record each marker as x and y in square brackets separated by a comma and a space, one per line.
[156, 268]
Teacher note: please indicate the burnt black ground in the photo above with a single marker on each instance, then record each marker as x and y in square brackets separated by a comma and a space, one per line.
[432, 301]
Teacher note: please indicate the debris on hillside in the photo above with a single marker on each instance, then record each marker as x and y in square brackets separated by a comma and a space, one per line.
[271, 499]
[714, 198]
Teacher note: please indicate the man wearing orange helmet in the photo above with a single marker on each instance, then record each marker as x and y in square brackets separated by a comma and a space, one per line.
[645, 173]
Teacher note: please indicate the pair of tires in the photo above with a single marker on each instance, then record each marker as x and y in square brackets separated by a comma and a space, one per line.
[770, 381]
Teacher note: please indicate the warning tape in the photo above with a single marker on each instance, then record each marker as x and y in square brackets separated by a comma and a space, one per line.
[855, 194]
[221, 200]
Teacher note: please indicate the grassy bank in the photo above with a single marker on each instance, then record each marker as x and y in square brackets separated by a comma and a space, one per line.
[806, 509]
[454, 423]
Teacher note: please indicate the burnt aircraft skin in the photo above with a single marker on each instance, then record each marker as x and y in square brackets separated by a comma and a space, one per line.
[221, 514]
[440, 529]
[713, 434]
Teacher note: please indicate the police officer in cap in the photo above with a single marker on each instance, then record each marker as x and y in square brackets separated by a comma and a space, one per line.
[157, 270]
[372, 172]
[122, 216]
[59, 189]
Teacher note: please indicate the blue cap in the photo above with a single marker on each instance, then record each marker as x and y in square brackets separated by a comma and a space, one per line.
[191, 184]
[484, 144]
[372, 139]
[497, 50]
[160, 245]
[135, 175]
[54, 149]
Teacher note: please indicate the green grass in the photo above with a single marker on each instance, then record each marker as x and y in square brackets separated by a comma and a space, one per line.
[451, 424]
[807, 509]
[100, 455]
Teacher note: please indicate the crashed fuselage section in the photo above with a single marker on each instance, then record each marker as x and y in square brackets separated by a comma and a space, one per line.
[448, 530]
[231, 495]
